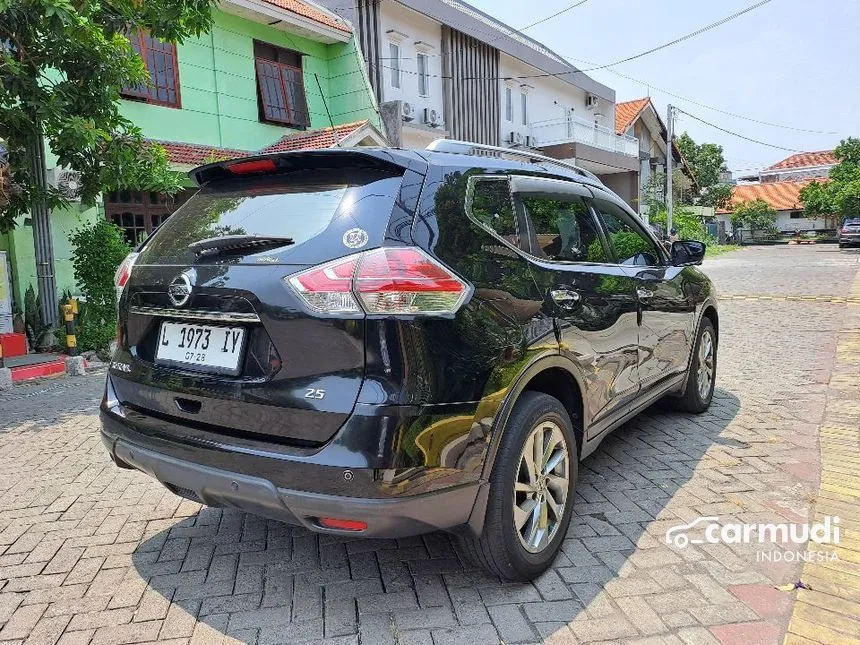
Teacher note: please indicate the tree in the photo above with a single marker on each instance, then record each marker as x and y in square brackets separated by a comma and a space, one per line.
[706, 162]
[839, 197]
[62, 66]
[757, 215]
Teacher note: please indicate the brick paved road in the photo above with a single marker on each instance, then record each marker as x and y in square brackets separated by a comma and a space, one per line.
[93, 554]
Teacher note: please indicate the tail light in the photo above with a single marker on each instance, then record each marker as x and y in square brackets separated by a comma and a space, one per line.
[402, 280]
[123, 272]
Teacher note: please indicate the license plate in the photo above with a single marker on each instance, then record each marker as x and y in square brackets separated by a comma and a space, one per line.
[201, 347]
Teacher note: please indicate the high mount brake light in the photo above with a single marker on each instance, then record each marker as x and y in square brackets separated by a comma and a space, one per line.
[401, 280]
[254, 167]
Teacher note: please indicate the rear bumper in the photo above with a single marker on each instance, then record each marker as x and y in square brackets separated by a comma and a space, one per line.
[293, 485]
[846, 240]
[398, 517]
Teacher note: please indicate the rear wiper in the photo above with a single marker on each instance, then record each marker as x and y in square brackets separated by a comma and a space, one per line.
[232, 243]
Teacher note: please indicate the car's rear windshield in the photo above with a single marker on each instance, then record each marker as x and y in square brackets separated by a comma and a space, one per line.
[300, 208]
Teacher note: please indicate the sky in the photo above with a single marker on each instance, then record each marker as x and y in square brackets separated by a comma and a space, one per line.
[789, 62]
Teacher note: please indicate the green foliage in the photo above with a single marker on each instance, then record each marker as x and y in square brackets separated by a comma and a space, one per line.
[98, 249]
[688, 225]
[62, 66]
[655, 191]
[839, 197]
[706, 161]
[756, 215]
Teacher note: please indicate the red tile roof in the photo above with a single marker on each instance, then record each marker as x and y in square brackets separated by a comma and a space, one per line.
[192, 154]
[324, 138]
[805, 160]
[627, 112]
[308, 11]
[780, 195]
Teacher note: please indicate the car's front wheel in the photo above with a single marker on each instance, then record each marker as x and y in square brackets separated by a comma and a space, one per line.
[531, 491]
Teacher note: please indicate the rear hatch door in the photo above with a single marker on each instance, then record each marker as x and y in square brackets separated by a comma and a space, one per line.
[211, 333]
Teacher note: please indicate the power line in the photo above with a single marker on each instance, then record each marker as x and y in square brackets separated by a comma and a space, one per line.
[555, 15]
[692, 34]
[704, 105]
[735, 134]
[713, 25]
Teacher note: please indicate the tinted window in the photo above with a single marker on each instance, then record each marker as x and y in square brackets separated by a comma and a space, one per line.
[564, 229]
[630, 245]
[310, 208]
[491, 206]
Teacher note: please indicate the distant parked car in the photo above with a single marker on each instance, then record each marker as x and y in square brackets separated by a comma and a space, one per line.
[850, 232]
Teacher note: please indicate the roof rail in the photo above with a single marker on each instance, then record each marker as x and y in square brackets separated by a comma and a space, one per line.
[471, 148]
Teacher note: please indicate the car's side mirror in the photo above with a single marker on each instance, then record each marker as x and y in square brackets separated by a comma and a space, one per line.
[687, 252]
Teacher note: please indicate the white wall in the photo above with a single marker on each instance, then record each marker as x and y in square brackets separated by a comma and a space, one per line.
[548, 99]
[413, 28]
[785, 223]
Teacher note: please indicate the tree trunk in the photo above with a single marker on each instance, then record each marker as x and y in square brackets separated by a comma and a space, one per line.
[42, 240]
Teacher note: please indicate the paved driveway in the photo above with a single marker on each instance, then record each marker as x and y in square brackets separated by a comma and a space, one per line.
[93, 554]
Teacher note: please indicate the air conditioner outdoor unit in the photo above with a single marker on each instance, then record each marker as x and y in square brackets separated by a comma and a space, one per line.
[67, 181]
[431, 117]
[591, 101]
[407, 111]
[515, 138]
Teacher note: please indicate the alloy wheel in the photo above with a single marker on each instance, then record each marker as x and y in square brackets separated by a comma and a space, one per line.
[540, 490]
[705, 365]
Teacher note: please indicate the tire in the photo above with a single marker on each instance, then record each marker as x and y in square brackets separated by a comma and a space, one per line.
[501, 548]
[694, 399]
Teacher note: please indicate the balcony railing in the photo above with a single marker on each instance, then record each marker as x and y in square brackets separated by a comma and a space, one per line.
[576, 130]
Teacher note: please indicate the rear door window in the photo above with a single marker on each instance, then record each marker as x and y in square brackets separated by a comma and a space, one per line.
[315, 210]
[564, 229]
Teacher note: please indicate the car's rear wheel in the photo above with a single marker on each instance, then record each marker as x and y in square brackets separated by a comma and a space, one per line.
[702, 374]
[531, 491]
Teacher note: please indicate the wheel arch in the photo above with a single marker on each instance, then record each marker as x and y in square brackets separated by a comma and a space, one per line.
[553, 375]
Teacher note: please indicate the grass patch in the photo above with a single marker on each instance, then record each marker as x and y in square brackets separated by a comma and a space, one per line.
[714, 250]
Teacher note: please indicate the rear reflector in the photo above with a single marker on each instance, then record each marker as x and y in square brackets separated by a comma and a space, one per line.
[342, 525]
[252, 167]
[398, 280]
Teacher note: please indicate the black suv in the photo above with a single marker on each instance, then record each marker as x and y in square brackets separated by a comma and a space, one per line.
[381, 342]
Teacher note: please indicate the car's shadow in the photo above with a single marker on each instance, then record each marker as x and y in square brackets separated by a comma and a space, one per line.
[262, 581]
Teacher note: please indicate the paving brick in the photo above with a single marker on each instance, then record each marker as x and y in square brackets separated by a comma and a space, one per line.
[83, 538]
[22, 621]
[471, 635]
[48, 631]
[511, 624]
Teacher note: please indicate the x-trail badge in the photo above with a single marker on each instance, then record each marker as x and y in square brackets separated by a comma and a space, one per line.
[179, 291]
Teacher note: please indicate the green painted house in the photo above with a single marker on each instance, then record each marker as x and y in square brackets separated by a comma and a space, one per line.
[271, 75]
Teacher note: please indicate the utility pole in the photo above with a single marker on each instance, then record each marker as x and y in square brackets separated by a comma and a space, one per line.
[669, 127]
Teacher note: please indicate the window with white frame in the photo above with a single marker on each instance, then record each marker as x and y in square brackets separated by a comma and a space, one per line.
[524, 100]
[509, 104]
[394, 64]
[423, 74]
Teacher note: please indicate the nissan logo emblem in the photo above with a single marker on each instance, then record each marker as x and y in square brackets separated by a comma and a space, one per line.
[179, 291]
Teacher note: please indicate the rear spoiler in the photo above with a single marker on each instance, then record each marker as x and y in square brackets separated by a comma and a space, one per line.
[387, 159]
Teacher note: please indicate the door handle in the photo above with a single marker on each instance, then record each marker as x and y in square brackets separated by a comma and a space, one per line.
[565, 297]
[644, 294]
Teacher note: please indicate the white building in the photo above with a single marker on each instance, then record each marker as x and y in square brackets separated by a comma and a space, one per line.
[779, 186]
[441, 68]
